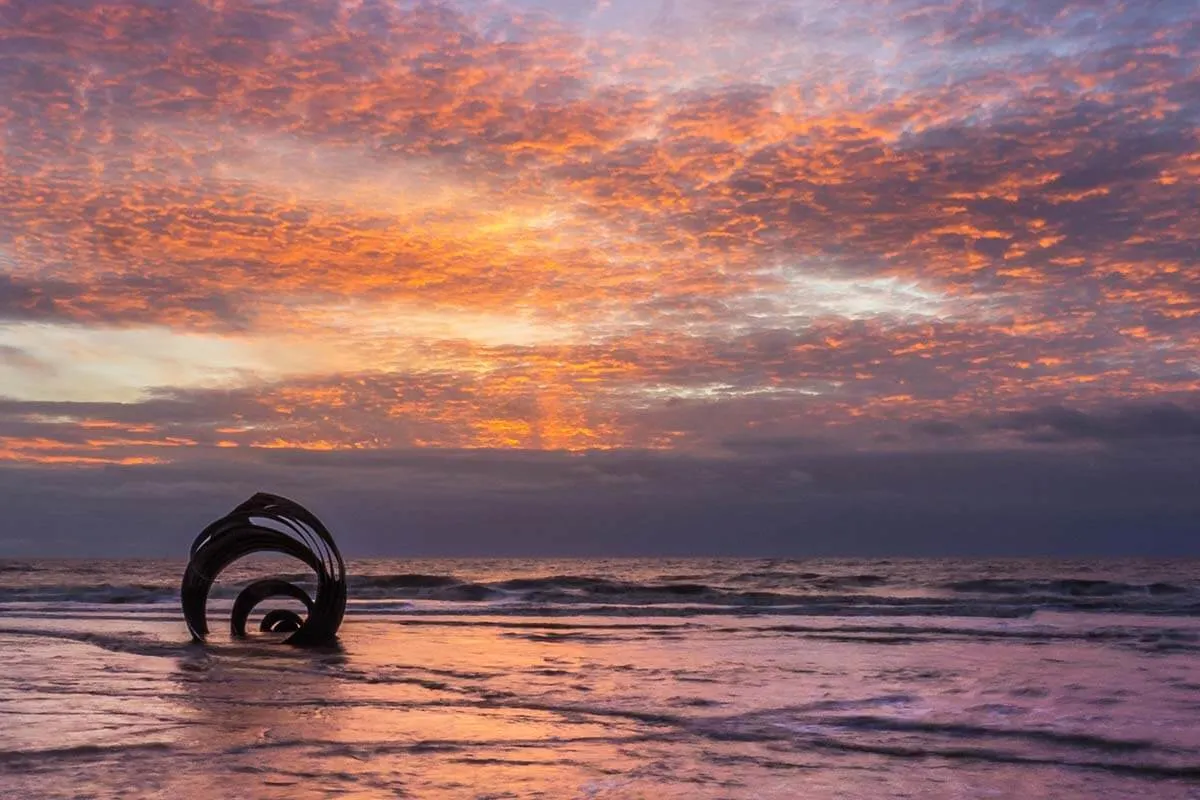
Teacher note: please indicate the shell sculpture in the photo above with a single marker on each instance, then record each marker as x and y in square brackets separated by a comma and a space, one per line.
[268, 523]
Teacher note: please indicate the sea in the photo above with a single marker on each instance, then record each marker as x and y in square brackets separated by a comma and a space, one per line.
[625, 678]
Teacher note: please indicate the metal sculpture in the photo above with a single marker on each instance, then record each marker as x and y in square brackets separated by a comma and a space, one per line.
[268, 523]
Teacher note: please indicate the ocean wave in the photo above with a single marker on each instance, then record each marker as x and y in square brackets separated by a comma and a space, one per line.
[98, 594]
[406, 581]
[561, 589]
[1070, 587]
[850, 581]
[775, 575]
[811, 579]
[763, 591]
[16, 567]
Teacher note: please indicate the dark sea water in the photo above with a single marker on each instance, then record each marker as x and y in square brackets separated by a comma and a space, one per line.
[614, 679]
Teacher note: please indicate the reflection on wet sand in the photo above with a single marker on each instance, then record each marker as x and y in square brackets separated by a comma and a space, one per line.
[308, 723]
[561, 707]
[261, 711]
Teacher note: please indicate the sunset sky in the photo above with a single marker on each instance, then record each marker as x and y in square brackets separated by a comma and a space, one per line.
[603, 276]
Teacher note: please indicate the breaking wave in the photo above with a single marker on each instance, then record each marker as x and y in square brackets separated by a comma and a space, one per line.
[744, 591]
[1070, 587]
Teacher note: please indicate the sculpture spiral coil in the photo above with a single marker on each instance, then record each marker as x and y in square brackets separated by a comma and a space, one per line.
[268, 523]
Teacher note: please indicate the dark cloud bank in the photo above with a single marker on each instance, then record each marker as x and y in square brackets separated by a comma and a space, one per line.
[1130, 495]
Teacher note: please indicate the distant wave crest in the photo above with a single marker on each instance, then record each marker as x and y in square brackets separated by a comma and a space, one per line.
[1071, 587]
[768, 590]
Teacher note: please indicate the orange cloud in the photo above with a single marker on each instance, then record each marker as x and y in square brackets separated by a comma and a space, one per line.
[516, 228]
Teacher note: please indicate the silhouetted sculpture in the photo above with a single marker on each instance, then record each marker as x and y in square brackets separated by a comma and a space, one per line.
[247, 529]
